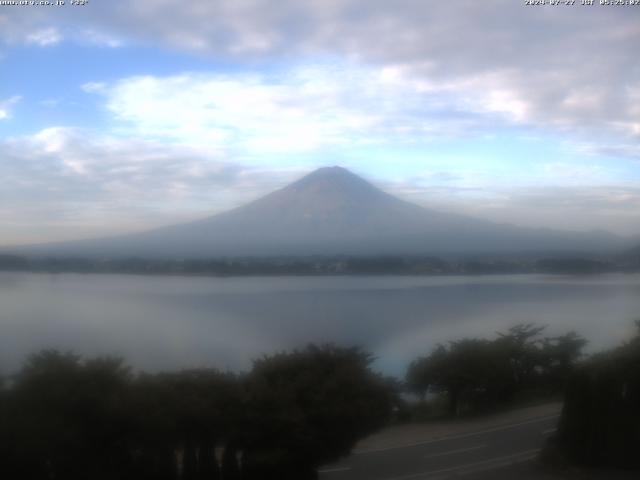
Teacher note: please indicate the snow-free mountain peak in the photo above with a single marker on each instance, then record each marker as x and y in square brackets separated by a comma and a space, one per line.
[334, 179]
[332, 195]
[332, 211]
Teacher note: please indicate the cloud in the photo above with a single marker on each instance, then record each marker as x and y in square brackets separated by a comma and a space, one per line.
[93, 87]
[567, 71]
[6, 105]
[300, 109]
[615, 208]
[80, 183]
[99, 39]
[45, 27]
[620, 149]
[45, 37]
[250, 112]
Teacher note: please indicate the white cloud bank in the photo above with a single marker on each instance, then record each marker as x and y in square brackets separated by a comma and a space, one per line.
[63, 183]
[568, 70]
[303, 109]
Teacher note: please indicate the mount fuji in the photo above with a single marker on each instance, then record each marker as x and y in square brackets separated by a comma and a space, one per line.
[332, 211]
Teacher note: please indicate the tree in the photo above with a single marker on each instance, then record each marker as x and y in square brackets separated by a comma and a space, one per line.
[478, 374]
[600, 422]
[68, 417]
[309, 407]
[471, 372]
[521, 345]
[559, 357]
[188, 412]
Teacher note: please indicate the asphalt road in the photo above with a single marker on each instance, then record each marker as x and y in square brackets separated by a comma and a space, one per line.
[503, 450]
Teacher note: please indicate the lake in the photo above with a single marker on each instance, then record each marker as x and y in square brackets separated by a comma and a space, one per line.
[176, 322]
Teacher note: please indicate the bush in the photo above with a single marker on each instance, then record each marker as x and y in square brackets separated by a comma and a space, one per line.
[600, 423]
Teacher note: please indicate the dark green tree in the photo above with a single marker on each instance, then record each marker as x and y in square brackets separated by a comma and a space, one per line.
[63, 417]
[471, 372]
[69, 417]
[181, 418]
[600, 422]
[560, 355]
[309, 407]
[478, 374]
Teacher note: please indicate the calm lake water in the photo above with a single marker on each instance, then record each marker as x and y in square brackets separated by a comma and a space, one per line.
[179, 322]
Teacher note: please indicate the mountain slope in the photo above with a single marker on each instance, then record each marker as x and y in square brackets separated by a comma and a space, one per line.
[332, 211]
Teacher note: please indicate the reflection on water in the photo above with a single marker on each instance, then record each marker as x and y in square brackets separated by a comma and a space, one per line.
[175, 322]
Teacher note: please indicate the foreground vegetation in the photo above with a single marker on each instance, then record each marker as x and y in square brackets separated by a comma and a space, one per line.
[477, 375]
[600, 423]
[62, 417]
[66, 418]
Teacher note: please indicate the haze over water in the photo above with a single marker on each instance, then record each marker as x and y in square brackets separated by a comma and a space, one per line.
[181, 322]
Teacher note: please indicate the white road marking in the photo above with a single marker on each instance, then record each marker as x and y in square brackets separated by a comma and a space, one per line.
[459, 450]
[475, 467]
[456, 437]
[335, 470]
[551, 430]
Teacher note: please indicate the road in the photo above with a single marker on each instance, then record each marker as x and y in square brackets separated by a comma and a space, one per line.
[503, 446]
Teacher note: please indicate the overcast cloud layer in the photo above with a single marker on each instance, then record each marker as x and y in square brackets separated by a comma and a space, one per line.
[408, 93]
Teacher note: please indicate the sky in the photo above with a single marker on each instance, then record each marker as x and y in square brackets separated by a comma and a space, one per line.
[120, 116]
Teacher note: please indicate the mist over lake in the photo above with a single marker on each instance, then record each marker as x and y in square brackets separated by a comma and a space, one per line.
[178, 322]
